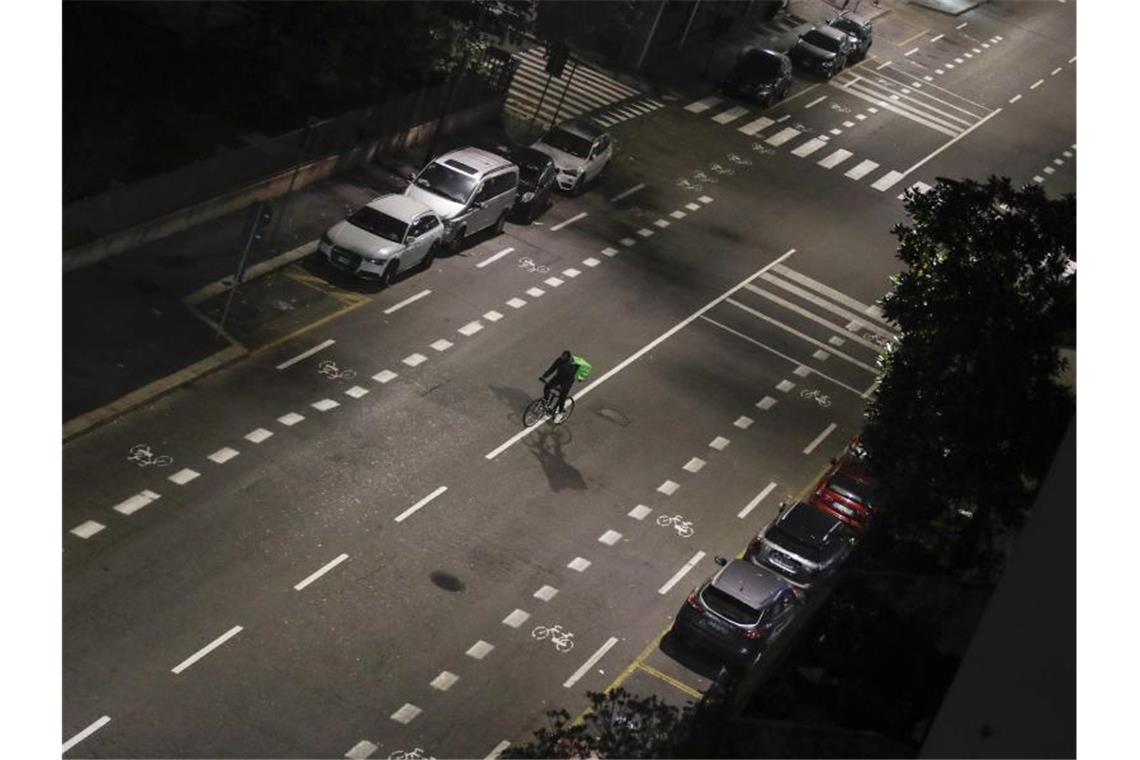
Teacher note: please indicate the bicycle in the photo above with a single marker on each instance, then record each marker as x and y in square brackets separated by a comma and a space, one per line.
[414, 754]
[547, 406]
[329, 369]
[562, 640]
[735, 159]
[683, 527]
[144, 457]
[819, 398]
[687, 185]
[527, 263]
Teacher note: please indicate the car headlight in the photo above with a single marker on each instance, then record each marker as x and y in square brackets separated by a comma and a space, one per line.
[527, 197]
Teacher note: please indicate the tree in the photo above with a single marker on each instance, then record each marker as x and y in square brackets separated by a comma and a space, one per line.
[969, 409]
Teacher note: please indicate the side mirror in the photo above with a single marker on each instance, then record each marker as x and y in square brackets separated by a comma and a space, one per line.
[783, 506]
[410, 239]
[720, 560]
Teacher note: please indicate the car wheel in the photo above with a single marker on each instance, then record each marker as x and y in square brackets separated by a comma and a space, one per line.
[500, 223]
[389, 275]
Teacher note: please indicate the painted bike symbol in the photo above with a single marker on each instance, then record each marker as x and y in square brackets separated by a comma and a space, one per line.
[413, 754]
[683, 527]
[877, 339]
[687, 185]
[144, 457]
[735, 159]
[700, 176]
[562, 640]
[800, 127]
[762, 149]
[527, 263]
[721, 170]
[839, 108]
[329, 369]
[816, 396]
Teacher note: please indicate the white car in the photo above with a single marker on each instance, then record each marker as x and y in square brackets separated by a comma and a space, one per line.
[580, 150]
[390, 234]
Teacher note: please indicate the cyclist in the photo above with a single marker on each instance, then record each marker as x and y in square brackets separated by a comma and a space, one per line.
[562, 373]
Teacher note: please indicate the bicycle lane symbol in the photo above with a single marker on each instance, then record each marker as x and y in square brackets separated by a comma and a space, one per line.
[142, 455]
[563, 641]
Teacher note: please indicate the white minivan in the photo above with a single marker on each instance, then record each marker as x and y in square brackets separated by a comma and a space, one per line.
[470, 189]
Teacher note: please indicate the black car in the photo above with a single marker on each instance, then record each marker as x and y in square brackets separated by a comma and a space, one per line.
[823, 50]
[860, 33]
[762, 75]
[803, 544]
[536, 179]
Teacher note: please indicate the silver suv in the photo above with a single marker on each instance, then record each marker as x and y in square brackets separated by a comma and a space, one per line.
[803, 544]
[470, 189]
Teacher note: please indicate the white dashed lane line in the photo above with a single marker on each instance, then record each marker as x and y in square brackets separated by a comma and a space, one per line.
[257, 436]
[139, 500]
[87, 529]
[498, 750]
[206, 649]
[305, 354]
[85, 733]
[819, 438]
[322, 571]
[681, 573]
[574, 678]
[626, 193]
[755, 501]
[420, 504]
[223, 455]
[411, 299]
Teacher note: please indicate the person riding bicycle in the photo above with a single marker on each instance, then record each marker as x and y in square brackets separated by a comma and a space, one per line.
[562, 373]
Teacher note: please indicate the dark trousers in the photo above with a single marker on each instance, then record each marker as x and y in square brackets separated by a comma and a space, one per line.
[563, 389]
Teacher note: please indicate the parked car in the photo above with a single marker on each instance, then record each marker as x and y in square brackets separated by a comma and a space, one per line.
[470, 189]
[581, 150]
[761, 75]
[536, 180]
[823, 50]
[859, 31]
[803, 544]
[848, 490]
[389, 234]
[737, 611]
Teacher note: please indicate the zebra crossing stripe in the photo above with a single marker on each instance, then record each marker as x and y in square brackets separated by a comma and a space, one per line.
[809, 147]
[753, 127]
[834, 159]
[782, 136]
[731, 114]
[703, 105]
[887, 181]
[861, 169]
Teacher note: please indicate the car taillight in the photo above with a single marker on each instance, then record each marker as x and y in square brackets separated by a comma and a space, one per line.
[695, 602]
[754, 633]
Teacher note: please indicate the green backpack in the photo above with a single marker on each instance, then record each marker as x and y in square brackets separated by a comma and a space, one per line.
[584, 368]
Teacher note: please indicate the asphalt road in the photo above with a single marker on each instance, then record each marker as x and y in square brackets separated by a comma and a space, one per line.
[737, 277]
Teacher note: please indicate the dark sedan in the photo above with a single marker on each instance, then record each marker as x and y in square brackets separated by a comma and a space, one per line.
[860, 32]
[761, 75]
[536, 180]
[823, 50]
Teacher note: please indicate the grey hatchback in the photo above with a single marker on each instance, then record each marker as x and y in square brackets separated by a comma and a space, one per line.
[803, 544]
[737, 611]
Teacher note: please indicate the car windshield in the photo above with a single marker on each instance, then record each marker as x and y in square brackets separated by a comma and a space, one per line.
[793, 544]
[821, 40]
[530, 167]
[379, 224]
[758, 65]
[568, 142]
[441, 180]
[732, 608]
[848, 25]
[853, 489]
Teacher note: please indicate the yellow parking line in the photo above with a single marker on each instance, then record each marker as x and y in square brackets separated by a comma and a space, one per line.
[909, 40]
[671, 681]
[310, 326]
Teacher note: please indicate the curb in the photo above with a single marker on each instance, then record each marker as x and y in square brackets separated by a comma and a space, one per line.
[255, 271]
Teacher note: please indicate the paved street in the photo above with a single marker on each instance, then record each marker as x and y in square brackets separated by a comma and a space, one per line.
[351, 558]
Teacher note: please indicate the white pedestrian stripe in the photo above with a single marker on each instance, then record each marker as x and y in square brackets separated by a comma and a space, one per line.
[257, 436]
[825, 290]
[610, 537]
[808, 147]
[498, 750]
[1015, 98]
[753, 127]
[406, 714]
[782, 136]
[850, 124]
[639, 512]
[479, 649]
[935, 39]
[87, 529]
[183, 476]
[887, 181]
[834, 159]
[587, 90]
[731, 114]
[702, 105]
[1037, 84]
[223, 455]
[861, 169]
[759, 498]
[1049, 170]
[918, 187]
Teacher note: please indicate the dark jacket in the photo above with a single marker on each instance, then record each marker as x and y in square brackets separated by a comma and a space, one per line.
[563, 371]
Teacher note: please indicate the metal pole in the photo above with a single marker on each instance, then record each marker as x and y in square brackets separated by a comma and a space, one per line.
[254, 224]
[558, 108]
[649, 37]
[689, 24]
[302, 149]
[541, 98]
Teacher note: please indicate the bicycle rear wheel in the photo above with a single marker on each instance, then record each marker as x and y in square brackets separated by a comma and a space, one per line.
[535, 411]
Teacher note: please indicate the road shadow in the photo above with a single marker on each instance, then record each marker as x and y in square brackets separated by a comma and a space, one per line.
[704, 664]
[515, 399]
[546, 444]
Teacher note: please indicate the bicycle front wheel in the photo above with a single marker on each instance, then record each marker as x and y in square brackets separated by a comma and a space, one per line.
[535, 411]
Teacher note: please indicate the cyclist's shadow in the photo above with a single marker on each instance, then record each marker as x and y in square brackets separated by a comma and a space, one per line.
[546, 444]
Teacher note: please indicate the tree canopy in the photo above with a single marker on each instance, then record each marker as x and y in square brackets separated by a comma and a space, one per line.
[969, 409]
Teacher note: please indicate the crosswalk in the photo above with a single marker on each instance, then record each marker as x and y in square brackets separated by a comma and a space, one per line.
[925, 104]
[533, 94]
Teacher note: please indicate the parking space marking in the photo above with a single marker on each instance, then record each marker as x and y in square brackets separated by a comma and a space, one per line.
[571, 220]
[305, 354]
[206, 649]
[756, 500]
[681, 573]
[591, 662]
[493, 258]
[683, 687]
[411, 299]
[819, 438]
[419, 504]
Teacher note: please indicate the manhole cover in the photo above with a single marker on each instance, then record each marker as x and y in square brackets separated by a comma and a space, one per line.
[613, 415]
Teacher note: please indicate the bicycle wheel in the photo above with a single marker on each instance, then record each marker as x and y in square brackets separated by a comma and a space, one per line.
[535, 411]
[685, 531]
[348, 374]
[540, 632]
[564, 645]
[824, 401]
[664, 520]
[162, 461]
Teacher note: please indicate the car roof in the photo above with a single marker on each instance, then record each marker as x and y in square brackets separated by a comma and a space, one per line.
[852, 17]
[752, 584]
[585, 129]
[402, 207]
[806, 523]
[830, 31]
[477, 160]
[528, 155]
[764, 52]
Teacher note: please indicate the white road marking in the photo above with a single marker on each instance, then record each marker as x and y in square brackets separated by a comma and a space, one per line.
[87, 529]
[802, 371]
[929, 79]
[328, 566]
[705, 199]
[1015, 98]
[681, 573]
[785, 385]
[821, 355]
[140, 500]
[802, 336]
[385, 376]
[571, 220]
[414, 360]
[471, 328]
[494, 316]
[498, 750]
[410, 299]
[419, 504]
[1038, 178]
[609, 538]
[696, 464]
[861, 169]
[887, 181]
[731, 114]
[182, 477]
[1058, 162]
[85, 733]
[546, 593]
[940, 71]
[743, 422]
[591, 262]
[818, 100]
[223, 455]
[1067, 154]
[967, 55]
[324, 405]
[1037, 84]
[644, 349]
[444, 681]
[847, 85]
[935, 39]
[442, 344]
[1073, 59]
[480, 649]
[1049, 170]
[573, 679]
[406, 714]
[756, 500]
[662, 223]
[692, 206]
[766, 403]
[1055, 71]
[628, 242]
[986, 45]
[495, 257]
[607, 252]
[290, 419]
[626, 193]
[835, 340]
[808, 147]
[306, 354]
[952, 141]
[668, 488]
[819, 438]
[959, 61]
[579, 564]
[206, 649]
[645, 233]
[782, 136]
[861, 116]
[516, 618]
[822, 289]
[639, 512]
[849, 124]
[962, 25]
[257, 436]
[361, 750]
[786, 116]
[702, 105]
[834, 159]
[720, 443]
[910, 52]
[752, 127]
[516, 303]
[678, 214]
[882, 66]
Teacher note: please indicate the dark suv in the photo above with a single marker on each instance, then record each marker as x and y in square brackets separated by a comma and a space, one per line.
[536, 180]
[761, 75]
[823, 50]
[860, 32]
[803, 544]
